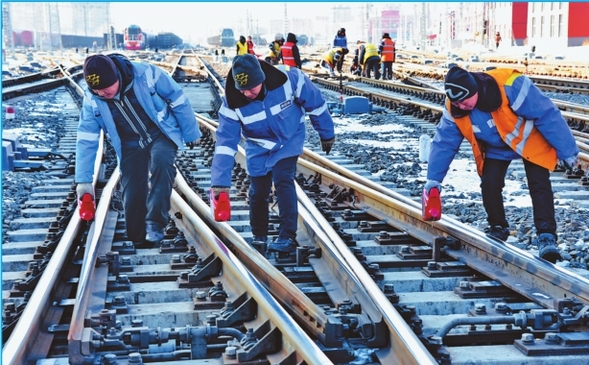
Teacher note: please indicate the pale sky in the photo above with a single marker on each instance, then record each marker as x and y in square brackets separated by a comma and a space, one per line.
[203, 19]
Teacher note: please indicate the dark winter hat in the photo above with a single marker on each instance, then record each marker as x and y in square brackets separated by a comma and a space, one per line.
[291, 38]
[460, 84]
[100, 72]
[386, 35]
[247, 72]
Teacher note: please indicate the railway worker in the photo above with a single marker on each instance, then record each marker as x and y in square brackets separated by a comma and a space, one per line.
[369, 59]
[356, 69]
[250, 45]
[147, 118]
[290, 52]
[332, 58]
[386, 49]
[505, 117]
[497, 39]
[275, 46]
[241, 46]
[267, 105]
[341, 41]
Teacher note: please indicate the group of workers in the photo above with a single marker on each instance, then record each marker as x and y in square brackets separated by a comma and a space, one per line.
[368, 57]
[148, 118]
[279, 50]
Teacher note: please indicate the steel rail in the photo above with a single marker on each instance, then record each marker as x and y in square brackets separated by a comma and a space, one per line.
[76, 349]
[19, 344]
[289, 328]
[523, 273]
[272, 278]
[405, 347]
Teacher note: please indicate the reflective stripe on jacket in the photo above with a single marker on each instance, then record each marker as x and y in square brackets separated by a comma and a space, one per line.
[517, 132]
[387, 50]
[273, 128]
[287, 54]
[161, 98]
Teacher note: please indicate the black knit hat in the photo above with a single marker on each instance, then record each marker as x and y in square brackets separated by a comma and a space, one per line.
[100, 72]
[460, 84]
[247, 72]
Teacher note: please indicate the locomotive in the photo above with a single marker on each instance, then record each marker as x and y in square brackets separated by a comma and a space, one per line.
[134, 39]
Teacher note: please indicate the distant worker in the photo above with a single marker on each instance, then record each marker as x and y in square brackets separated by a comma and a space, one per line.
[387, 56]
[356, 69]
[265, 107]
[290, 52]
[241, 46]
[331, 58]
[369, 59]
[147, 117]
[340, 41]
[275, 50]
[250, 45]
[504, 116]
[497, 39]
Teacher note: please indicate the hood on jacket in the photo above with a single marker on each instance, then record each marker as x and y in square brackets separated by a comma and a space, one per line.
[291, 38]
[274, 79]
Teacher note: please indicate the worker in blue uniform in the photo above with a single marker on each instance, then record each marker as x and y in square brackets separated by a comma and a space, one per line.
[267, 106]
[147, 117]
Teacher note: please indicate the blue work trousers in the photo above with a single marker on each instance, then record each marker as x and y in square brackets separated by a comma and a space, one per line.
[387, 70]
[147, 178]
[493, 182]
[282, 175]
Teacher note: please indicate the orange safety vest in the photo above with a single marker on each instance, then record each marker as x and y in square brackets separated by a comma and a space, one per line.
[388, 50]
[250, 47]
[287, 55]
[519, 134]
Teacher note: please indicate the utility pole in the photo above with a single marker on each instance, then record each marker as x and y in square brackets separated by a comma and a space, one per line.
[422, 28]
[285, 19]
[53, 15]
[8, 39]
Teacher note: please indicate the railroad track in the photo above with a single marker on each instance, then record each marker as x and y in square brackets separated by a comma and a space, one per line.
[352, 289]
[427, 105]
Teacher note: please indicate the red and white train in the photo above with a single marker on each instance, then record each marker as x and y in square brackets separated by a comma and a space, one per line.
[134, 39]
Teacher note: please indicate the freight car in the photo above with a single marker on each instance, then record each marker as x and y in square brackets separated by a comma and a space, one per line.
[226, 38]
[163, 41]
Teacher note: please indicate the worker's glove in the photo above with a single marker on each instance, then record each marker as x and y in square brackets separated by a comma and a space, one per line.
[220, 189]
[569, 163]
[84, 188]
[432, 184]
[327, 144]
[193, 144]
